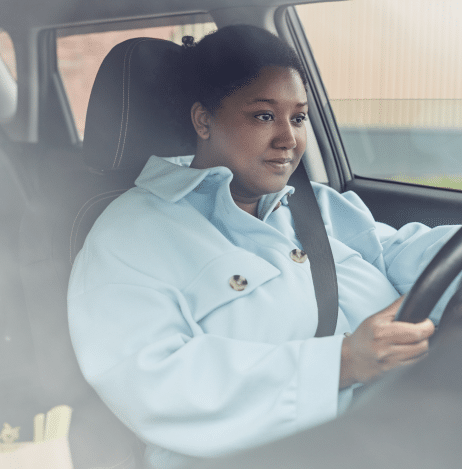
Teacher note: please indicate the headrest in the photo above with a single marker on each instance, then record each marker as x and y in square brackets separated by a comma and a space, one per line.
[136, 108]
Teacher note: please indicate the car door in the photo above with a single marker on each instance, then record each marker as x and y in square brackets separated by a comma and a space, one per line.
[386, 102]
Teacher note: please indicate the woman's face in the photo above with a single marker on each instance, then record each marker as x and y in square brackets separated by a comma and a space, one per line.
[258, 133]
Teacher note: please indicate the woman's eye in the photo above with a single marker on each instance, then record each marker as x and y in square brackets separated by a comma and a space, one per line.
[265, 117]
[300, 119]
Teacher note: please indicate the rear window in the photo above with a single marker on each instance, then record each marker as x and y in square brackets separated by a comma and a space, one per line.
[80, 54]
[7, 53]
[8, 77]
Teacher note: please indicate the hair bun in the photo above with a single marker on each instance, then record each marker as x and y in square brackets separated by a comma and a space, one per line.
[188, 42]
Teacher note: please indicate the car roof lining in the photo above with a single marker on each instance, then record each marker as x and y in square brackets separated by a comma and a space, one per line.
[23, 14]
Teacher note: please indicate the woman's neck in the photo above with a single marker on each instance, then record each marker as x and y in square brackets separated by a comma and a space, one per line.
[248, 205]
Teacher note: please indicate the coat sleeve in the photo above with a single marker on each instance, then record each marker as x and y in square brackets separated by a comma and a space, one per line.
[409, 250]
[183, 390]
[401, 255]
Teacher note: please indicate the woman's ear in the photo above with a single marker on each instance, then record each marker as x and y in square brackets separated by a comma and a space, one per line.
[201, 120]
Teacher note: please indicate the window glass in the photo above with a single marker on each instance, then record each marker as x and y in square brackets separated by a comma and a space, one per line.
[393, 73]
[80, 55]
[8, 77]
[7, 53]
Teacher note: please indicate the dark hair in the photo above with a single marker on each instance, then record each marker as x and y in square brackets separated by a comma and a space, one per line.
[230, 58]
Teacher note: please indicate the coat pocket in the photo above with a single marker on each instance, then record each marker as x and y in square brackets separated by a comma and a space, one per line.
[229, 277]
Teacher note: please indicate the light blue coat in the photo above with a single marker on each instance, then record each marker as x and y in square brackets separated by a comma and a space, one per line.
[195, 367]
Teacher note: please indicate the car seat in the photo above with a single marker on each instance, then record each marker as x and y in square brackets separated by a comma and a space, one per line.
[136, 109]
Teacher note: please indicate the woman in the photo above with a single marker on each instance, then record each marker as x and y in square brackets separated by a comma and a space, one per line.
[191, 305]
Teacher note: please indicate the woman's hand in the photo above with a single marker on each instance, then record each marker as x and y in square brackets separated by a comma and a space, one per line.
[380, 344]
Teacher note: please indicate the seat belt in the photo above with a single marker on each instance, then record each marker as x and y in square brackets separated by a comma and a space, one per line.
[311, 232]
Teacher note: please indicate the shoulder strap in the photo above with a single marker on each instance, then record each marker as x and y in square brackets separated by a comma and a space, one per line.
[311, 232]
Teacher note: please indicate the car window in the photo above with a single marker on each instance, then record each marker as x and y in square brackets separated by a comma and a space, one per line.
[80, 54]
[8, 77]
[393, 73]
[7, 53]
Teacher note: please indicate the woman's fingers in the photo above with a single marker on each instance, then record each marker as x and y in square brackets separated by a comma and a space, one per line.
[404, 332]
[380, 343]
[397, 354]
[411, 361]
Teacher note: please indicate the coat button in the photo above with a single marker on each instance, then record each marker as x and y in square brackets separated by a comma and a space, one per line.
[298, 255]
[238, 282]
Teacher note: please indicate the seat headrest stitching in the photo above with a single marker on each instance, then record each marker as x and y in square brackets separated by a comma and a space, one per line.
[123, 105]
[77, 216]
[128, 101]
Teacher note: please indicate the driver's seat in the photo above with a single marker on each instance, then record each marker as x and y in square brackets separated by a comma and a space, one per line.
[136, 110]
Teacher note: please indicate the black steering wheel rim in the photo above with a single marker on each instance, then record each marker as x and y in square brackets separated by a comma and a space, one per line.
[433, 282]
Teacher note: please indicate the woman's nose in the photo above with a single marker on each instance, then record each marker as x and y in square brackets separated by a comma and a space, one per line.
[285, 138]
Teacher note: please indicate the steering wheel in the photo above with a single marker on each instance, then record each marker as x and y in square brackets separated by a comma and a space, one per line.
[432, 283]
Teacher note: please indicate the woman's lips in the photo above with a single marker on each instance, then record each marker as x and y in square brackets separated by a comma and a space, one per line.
[280, 164]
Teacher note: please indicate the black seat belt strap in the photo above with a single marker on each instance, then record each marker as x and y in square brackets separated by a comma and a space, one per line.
[311, 232]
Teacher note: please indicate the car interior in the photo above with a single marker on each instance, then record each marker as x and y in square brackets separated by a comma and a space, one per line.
[54, 185]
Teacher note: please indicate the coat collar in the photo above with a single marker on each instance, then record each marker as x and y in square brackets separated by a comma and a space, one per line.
[172, 182]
